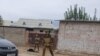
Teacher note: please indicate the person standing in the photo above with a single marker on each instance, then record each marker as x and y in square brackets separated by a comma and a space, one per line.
[37, 43]
[47, 44]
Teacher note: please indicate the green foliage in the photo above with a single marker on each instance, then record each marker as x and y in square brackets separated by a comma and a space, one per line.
[95, 18]
[76, 14]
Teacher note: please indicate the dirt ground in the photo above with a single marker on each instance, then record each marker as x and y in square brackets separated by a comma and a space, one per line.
[23, 52]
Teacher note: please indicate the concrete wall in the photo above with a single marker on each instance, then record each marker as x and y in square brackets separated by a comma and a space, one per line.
[15, 35]
[79, 37]
[19, 35]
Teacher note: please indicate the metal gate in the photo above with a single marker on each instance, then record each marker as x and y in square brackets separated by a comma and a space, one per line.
[31, 39]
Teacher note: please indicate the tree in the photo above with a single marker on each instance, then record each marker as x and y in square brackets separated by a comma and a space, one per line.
[1, 21]
[71, 12]
[80, 16]
[95, 18]
[76, 14]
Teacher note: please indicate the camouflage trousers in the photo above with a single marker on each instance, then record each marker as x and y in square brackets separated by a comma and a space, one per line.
[49, 48]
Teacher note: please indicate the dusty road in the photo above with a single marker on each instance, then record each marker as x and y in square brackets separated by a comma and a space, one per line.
[23, 52]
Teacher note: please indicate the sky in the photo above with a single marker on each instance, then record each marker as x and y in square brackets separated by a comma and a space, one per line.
[43, 9]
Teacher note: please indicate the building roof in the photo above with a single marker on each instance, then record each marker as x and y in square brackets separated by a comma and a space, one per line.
[80, 21]
[34, 23]
[7, 22]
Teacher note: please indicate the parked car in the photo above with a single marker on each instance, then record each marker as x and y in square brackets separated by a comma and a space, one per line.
[7, 48]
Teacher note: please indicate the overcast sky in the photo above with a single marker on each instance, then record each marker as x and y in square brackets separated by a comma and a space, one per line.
[43, 9]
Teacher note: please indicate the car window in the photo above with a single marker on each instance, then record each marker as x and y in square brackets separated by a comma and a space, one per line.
[1, 37]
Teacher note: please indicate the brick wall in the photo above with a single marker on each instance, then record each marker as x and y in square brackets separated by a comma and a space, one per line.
[79, 37]
[15, 35]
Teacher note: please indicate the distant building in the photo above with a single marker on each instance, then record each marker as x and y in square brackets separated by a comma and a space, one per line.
[7, 22]
[34, 23]
[25, 30]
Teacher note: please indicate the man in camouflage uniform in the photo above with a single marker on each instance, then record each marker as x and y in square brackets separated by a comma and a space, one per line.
[37, 43]
[47, 44]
